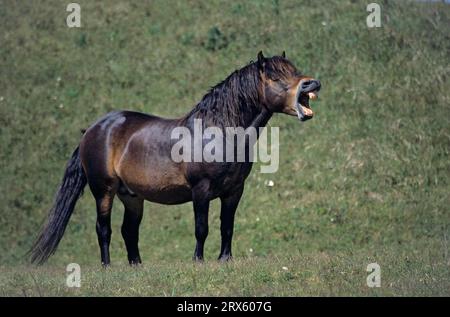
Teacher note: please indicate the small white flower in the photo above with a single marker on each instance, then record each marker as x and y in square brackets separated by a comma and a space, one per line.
[269, 183]
[1, 98]
[324, 23]
[251, 250]
[61, 106]
[257, 218]
[285, 268]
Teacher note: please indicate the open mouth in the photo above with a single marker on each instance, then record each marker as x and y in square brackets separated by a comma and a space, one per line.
[304, 95]
[304, 111]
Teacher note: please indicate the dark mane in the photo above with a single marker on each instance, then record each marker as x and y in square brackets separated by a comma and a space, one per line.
[233, 101]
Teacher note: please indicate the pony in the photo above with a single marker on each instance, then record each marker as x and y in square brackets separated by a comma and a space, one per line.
[127, 154]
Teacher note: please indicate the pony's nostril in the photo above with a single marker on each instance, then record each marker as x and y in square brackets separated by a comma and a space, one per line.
[306, 84]
[311, 84]
[318, 84]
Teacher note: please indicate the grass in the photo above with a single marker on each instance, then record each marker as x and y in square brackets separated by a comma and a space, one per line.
[367, 180]
[320, 274]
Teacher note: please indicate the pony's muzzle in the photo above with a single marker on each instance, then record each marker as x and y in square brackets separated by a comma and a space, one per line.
[310, 85]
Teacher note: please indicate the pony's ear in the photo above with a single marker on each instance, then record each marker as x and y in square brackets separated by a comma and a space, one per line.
[261, 61]
[283, 54]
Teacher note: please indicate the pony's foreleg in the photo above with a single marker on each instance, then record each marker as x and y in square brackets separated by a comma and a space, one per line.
[228, 209]
[132, 217]
[201, 207]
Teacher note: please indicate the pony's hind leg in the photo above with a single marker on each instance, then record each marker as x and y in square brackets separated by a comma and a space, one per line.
[103, 191]
[134, 207]
[103, 226]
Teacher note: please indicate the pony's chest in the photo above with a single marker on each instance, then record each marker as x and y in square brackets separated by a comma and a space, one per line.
[226, 178]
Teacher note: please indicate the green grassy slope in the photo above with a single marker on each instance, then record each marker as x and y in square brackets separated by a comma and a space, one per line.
[367, 180]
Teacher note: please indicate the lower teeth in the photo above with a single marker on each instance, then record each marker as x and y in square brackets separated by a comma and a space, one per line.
[300, 113]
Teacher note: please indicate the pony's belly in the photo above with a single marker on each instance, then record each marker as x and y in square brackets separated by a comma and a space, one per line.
[159, 187]
[169, 196]
[150, 173]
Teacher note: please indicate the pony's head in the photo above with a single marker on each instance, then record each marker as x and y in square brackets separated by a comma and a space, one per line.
[284, 88]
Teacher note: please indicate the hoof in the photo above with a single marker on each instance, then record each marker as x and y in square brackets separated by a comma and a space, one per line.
[225, 258]
[197, 259]
[135, 263]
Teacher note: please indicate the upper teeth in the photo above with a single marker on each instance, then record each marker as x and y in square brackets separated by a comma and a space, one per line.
[312, 95]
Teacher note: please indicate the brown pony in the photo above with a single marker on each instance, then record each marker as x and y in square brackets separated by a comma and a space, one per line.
[128, 154]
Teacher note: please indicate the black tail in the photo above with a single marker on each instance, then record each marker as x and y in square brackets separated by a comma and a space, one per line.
[71, 189]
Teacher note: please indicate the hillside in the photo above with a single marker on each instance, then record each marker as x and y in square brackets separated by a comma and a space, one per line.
[367, 180]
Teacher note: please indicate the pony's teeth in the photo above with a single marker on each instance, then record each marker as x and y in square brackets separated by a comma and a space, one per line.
[299, 111]
[312, 95]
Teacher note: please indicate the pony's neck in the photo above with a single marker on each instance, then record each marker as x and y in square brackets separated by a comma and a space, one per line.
[261, 119]
[235, 102]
